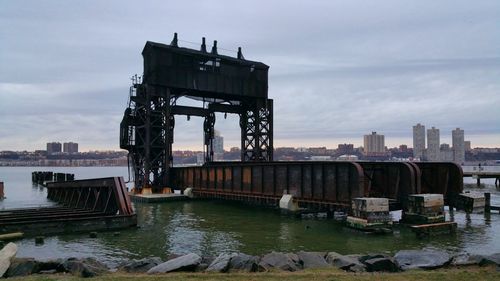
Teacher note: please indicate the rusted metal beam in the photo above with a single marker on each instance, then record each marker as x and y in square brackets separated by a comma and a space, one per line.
[331, 183]
[96, 203]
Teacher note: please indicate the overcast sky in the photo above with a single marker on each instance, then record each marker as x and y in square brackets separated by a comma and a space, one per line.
[338, 69]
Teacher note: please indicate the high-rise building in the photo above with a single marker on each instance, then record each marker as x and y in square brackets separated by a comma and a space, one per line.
[467, 146]
[418, 141]
[374, 144]
[70, 147]
[458, 143]
[218, 146]
[433, 151]
[53, 147]
[445, 152]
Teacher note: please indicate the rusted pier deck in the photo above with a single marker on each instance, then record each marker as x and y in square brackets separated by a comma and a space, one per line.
[82, 206]
[325, 186]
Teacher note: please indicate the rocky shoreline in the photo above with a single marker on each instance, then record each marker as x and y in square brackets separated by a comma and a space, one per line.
[10, 266]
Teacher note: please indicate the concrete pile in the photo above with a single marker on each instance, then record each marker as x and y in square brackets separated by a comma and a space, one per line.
[424, 209]
[473, 202]
[370, 214]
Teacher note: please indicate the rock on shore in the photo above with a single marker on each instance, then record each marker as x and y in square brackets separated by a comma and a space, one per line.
[234, 262]
[142, 265]
[187, 262]
[6, 255]
[425, 259]
[282, 261]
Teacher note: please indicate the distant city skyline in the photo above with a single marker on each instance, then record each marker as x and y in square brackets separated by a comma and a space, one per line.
[220, 143]
[344, 69]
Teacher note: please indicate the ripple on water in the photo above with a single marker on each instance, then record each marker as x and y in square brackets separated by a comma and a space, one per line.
[211, 227]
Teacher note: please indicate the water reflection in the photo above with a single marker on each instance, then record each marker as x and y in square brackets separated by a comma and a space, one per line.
[211, 227]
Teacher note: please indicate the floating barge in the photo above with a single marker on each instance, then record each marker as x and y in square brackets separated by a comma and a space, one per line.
[83, 206]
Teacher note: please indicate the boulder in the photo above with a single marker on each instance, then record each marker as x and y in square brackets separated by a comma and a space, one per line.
[244, 262]
[348, 262]
[425, 259]
[22, 267]
[87, 267]
[51, 271]
[187, 262]
[491, 259]
[312, 259]
[357, 268]
[465, 259]
[142, 265]
[204, 263]
[386, 264]
[282, 261]
[6, 255]
[50, 265]
[221, 263]
[363, 258]
[331, 256]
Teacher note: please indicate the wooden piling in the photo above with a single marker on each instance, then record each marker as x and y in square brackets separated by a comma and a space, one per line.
[487, 204]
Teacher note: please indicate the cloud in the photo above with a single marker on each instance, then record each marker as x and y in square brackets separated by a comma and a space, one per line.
[339, 69]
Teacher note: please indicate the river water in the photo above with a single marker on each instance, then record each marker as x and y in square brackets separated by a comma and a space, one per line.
[212, 227]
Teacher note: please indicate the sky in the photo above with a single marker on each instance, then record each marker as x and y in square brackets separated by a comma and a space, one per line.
[338, 69]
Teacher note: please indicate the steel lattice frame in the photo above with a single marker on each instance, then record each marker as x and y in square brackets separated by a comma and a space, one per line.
[224, 84]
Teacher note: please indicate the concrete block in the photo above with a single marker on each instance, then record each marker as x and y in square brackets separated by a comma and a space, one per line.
[373, 216]
[363, 224]
[421, 219]
[370, 204]
[287, 202]
[474, 200]
[189, 192]
[146, 191]
[426, 200]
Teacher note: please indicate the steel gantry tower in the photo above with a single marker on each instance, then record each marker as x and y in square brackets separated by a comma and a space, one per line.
[223, 83]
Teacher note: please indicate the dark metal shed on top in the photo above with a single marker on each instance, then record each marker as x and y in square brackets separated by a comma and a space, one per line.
[202, 73]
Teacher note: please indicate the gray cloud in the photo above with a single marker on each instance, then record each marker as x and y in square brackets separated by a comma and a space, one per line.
[339, 69]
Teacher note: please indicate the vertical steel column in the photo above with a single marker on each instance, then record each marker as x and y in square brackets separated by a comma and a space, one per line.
[256, 124]
[209, 134]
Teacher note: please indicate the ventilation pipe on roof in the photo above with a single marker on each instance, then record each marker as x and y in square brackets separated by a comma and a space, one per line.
[240, 54]
[174, 41]
[214, 48]
[203, 45]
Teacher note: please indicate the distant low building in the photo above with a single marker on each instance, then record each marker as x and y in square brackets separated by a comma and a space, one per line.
[345, 149]
[200, 158]
[317, 150]
[321, 158]
[348, 157]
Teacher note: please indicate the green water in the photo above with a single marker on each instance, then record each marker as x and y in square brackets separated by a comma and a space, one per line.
[211, 227]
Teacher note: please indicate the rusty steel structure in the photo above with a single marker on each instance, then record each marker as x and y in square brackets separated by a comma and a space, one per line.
[81, 205]
[328, 185]
[236, 85]
[224, 84]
